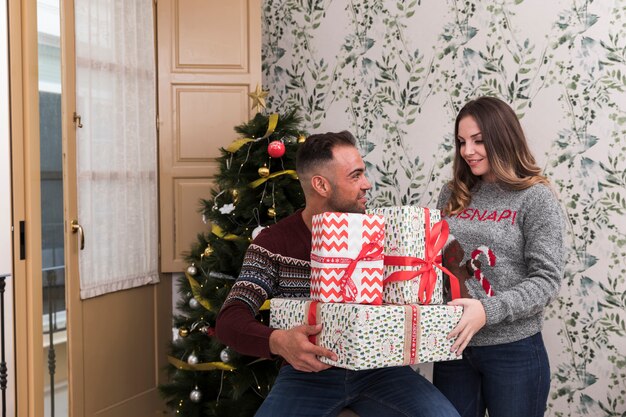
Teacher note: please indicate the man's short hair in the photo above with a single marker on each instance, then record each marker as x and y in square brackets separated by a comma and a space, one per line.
[318, 149]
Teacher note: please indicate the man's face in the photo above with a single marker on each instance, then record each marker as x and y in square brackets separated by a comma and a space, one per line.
[348, 182]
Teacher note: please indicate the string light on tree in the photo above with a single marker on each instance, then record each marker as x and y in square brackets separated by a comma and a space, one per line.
[271, 212]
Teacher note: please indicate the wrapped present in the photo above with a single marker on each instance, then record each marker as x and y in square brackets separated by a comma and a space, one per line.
[369, 337]
[347, 258]
[415, 237]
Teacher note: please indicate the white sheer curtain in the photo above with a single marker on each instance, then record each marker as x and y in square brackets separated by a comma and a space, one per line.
[117, 146]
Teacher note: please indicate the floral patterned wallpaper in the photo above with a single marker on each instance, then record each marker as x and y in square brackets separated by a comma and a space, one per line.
[396, 72]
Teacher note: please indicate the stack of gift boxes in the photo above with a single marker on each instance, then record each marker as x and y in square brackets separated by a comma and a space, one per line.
[377, 288]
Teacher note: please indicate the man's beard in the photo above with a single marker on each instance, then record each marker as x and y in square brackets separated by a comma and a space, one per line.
[345, 206]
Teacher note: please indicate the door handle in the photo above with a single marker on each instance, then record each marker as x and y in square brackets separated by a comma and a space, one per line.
[78, 228]
[77, 120]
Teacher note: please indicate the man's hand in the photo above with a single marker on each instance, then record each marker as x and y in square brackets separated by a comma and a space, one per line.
[294, 346]
[472, 320]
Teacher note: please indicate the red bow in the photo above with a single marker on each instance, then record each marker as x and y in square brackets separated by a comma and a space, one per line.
[435, 239]
[370, 251]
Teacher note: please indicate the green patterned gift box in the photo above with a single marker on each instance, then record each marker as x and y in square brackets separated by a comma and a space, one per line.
[406, 237]
[369, 337]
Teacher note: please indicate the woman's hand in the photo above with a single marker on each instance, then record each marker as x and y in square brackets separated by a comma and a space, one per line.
[472, 320]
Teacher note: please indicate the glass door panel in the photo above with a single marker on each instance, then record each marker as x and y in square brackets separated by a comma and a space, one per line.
[54, 346]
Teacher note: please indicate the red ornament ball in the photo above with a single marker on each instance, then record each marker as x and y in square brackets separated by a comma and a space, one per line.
[276, 149]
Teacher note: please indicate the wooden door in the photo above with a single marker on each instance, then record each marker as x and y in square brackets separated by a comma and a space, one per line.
[209, 60]
[117, 341]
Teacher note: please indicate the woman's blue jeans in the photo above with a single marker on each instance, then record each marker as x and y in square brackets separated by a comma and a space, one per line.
[508, 380]
[385, 392]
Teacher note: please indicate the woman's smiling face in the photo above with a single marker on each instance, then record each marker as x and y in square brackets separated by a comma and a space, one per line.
[472, 149]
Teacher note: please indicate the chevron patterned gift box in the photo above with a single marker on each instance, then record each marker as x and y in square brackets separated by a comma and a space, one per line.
[410, 234]
[369, 337]
[347, 258]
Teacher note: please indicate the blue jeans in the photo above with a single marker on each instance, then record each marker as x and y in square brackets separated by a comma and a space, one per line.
[508, 380]
[385, 392]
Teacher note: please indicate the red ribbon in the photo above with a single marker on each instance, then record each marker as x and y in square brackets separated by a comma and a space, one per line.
[415, 334]
[312, 319]
[369, 251]
[435, 239]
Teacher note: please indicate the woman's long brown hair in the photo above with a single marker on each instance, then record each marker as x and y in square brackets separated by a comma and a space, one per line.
[508, 154]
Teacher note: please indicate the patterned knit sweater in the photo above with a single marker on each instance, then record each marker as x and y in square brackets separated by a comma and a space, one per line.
[514, 239]
[276, 264]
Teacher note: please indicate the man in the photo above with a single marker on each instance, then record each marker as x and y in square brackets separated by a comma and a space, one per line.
[277, 264]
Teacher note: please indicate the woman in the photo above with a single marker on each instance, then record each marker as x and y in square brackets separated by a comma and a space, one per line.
[507, 251]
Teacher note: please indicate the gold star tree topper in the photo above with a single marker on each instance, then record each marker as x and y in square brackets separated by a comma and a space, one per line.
[258, 98]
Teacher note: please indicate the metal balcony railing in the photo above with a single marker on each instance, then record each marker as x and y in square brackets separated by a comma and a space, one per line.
[54, 320]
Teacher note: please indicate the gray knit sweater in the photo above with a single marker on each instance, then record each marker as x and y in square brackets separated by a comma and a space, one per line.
[522, 234]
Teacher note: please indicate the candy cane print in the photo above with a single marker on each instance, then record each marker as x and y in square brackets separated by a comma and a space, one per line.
[337, 339]
[478, 274]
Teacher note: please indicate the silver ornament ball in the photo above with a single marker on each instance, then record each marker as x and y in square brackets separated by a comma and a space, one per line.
[193, 303]
[195, 395]
[192, 359]
[225, 355]
[192, 270]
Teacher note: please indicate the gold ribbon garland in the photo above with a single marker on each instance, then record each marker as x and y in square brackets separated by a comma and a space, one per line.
[207, 366]
[195, 290]
[217, 231]
[271, 126]
[237, 144]
[260, 181]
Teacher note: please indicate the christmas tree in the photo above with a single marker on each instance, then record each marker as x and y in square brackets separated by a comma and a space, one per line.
[256, 186]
